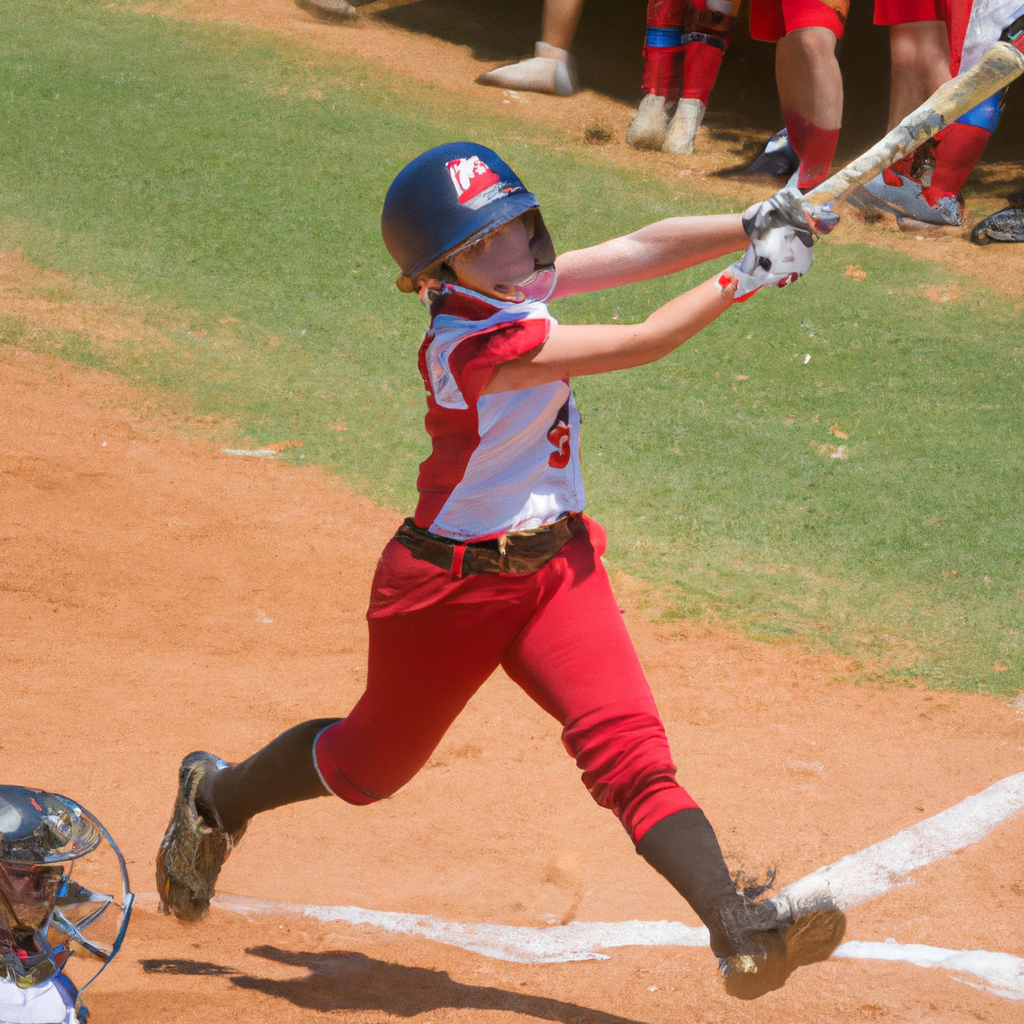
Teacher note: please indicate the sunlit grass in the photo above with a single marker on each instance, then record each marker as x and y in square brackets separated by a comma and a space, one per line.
[231, 185]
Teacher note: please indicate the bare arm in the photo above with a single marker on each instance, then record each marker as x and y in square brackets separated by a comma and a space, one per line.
[575, 351]
[665, 247]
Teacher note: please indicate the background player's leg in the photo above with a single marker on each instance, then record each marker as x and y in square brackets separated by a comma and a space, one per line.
[811, 94]
[663, 54]
[919, 52]
[706, 36]
[957, 149]
[925, 186]
[559, 22]
[552, 68]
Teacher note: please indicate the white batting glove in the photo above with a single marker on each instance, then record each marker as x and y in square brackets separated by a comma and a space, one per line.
[780, 256]
[787, 208]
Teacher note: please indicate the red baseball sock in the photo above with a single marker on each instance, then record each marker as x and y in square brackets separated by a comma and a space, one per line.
[958, 148]
[904, 166]
[663, 55]
[814, 145]
[700, 70]
[662, 71]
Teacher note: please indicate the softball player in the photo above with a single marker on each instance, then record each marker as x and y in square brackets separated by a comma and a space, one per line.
[49, 922]
[807, 72]
[499, 565]
[925, 34]
[684, 46]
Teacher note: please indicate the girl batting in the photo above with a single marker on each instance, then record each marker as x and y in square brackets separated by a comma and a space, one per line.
[499, 565]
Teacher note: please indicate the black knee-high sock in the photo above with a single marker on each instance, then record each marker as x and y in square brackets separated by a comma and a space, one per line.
[281, 773]
[684, 849]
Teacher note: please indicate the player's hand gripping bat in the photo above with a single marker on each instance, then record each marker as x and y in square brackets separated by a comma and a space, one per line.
[1000, 66]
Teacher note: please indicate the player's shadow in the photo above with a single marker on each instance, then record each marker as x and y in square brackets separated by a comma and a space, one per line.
[342, 980]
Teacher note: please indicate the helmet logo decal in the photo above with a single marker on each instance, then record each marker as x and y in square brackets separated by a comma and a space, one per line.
[471, 177]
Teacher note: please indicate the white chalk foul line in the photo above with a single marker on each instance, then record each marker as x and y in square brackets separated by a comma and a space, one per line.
[557, 944]
[578, 940]
[998, 973]
[852, 880]
[876, 869]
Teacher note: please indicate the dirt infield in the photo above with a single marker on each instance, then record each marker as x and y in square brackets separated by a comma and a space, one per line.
[159, 596]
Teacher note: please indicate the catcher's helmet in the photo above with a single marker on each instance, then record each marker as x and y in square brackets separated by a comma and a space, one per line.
[449, 198]
[44, 915]
[42, 828]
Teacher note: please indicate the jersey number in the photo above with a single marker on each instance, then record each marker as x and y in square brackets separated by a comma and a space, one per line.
[560, 437]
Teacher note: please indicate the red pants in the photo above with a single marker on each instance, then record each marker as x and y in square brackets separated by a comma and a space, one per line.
[770, 20]
[557, 632]
[901, 12]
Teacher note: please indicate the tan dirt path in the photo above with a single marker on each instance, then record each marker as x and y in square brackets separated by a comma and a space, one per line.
[157, 596]
[425, 58]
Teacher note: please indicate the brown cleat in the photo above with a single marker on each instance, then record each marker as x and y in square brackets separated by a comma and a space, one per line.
[192, 852]
[811, 938]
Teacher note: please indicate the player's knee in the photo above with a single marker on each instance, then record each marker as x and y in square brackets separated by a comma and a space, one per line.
[903, 48]
[914, 55]
[623, 756]
[815, 42]
[328, 757]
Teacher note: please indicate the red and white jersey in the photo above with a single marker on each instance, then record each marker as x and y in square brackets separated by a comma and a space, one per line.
[501, 462]
[975, 27]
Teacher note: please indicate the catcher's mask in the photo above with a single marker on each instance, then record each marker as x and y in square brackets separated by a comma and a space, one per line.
[450, 198]
[45, 917]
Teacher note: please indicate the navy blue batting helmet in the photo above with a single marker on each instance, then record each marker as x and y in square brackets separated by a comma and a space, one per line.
[446, 200]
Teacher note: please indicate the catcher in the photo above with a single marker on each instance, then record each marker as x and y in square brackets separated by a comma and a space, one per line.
[499, 565]
[46, 919]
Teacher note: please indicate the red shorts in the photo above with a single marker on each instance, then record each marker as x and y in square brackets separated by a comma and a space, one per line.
[770, 20]
[956, 16]
[902, 12]
[557, 632]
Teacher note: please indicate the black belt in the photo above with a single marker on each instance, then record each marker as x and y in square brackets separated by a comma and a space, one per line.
[518, 553]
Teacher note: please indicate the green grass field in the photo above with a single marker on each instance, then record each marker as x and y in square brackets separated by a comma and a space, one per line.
[231, 184]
